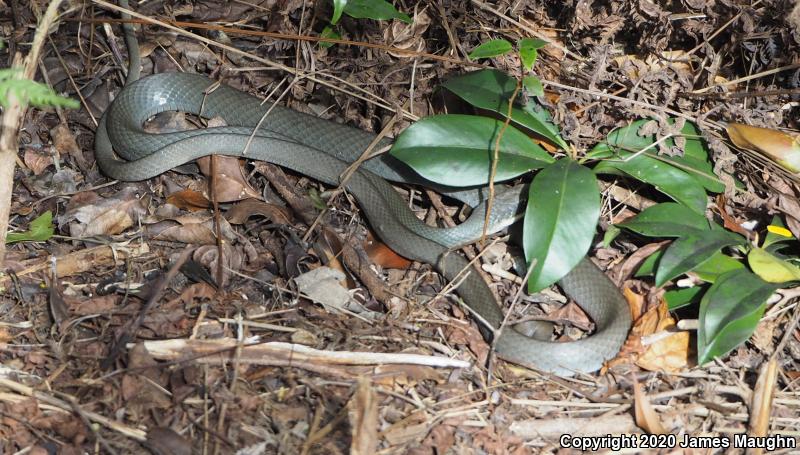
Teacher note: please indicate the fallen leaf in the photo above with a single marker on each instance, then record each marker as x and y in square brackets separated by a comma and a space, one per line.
[362, 413]
[240, 212]
[64, 142]
[646, 417]
[189, 200]
[670, 353]
[37, 161]
[382, 255]
[761, 404]
[107, 216]
[780, 147]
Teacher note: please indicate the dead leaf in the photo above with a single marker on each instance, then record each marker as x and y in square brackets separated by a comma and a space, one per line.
[780, 147]
[165, 441]
[107, 216]
[728, 221]
[381, 254]
[761, 405]
[37, 161]
[362, 412]
[64, 142]
[646, 417]
[240, 212]
[189, 200]
[670, 353]
[230, 180]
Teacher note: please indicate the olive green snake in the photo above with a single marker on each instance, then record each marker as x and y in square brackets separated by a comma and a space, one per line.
[323, 150]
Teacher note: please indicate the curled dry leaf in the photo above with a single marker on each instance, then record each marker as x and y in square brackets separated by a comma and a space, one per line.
[37, 161]
[381, 254]
[107, 216]
[670, 353]
[780, 147]
[242, 211]
[189, 200]
[231, 183]
[646, 417]
[65, 143]
[208, 255]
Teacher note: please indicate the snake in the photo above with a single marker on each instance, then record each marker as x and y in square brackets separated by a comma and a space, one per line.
[324, 150]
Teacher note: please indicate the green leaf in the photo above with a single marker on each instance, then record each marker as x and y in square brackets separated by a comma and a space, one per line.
[529, 50]
[491, 90]
[560, 221]
[648, 266]
[679, 298]
[611, 233]
[490, 49]
[718, 264]
[534, 85]
[667, 179]
[771, 268]
[338, 8]
[777, 233]
[624, 142]
[374, 9]
[29, 92]
[729, 313]
[692, 250]
[457, 150]
[667, 219]
[328, 32]
[41, 229]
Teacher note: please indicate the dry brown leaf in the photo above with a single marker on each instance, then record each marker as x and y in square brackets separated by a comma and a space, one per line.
[165, 441]
[728, 221]
[667, 354]
[65, 143]
[37, 161]
[362, 412]
[761, 405]
[240, 212]
[196, 233]
[231, 183]
[646, 417]
[189, 200]
[107, 216]
[780, 147]
[381, 254]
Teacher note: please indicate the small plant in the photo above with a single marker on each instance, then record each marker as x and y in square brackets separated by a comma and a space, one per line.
[360, 9]
[564, 200]
[30, 92]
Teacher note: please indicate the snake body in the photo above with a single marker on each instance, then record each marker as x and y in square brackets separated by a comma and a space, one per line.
[323, 150]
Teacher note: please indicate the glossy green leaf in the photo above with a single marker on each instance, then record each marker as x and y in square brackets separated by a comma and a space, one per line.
[679, 298]
[729, 313]
[771, 268]
[491, 90]
[533, 85]
[649, 265]
[529, 51]
[328, 32]
[457, 150]
[777, 233]
[491, 48]
[718, 264]
[667, 219]
[691, 250]
[374, 9]
[560, 221]
[624, 142]
[41, 229]
[338, 9]
[664, 177]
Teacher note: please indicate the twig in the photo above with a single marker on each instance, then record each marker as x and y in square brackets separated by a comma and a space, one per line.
[12, 118]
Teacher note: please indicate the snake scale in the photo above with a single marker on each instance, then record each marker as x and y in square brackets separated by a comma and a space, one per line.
[323, 150]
